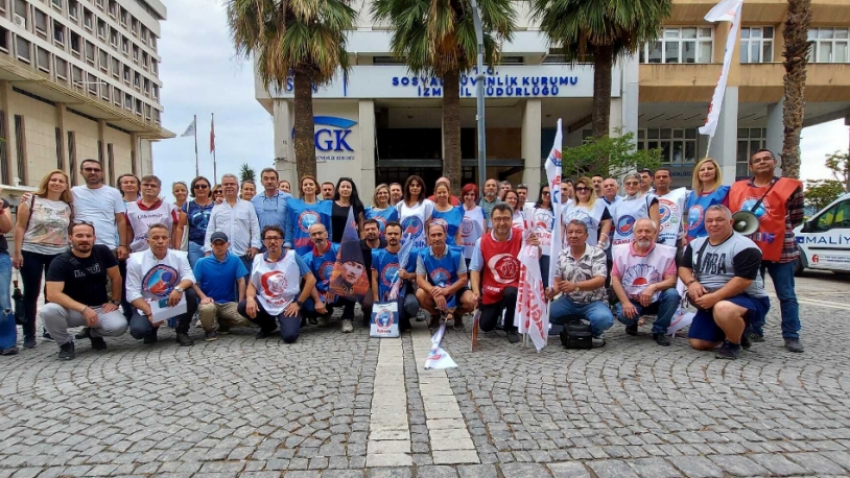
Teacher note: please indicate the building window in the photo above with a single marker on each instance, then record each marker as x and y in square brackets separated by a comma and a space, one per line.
[77, 76]
[58, 33]
[154, 67]
[41, 23]
[678, 145]
[104, 60]
[90, 52]
[23, 49]
[116, 67]
[128, 101]
[57, 3]
[136, 54]
[126, 74]
[4, 155]
[60, 161]
[750, 140]
[73, 8]
[156, 92]
[43, 60]
[110, 160]
[145, 60]
[829, 45]
[680, 45]
[92, 82]
[88, 19]
[116, 96]
[61, 68]
[123, 17]
[75, 43]
[104, 90]
[72, 157]
[101, 29]
[125, 45]
[113, 8]
[137, 80]
[4, 40]
[21, 11]
[757, 45]
[21, 148]
[113, 37]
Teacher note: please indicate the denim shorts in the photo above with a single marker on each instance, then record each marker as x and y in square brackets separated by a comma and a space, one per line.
[704, 328]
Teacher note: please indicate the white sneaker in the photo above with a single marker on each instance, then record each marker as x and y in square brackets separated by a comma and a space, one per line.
[347, 326]
[597, 342]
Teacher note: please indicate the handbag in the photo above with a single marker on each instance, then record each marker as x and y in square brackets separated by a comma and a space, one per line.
[18, 302]
[577, 335]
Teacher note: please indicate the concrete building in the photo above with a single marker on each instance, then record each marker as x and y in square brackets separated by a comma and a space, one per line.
[383, 124]
[78, 79]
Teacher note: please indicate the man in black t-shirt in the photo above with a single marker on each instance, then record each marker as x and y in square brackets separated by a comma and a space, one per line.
[76, 289]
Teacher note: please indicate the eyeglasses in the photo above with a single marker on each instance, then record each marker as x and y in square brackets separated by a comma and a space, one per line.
[632, 183]
[201, 186]
[92, 170]
[581, 189]
[273, 239]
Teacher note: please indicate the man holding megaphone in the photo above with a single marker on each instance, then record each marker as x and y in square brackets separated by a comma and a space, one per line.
[768, 208]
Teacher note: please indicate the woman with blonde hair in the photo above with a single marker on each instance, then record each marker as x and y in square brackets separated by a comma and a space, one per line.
[587, 208]
[708, 190]
[41, 233]
[381, 210]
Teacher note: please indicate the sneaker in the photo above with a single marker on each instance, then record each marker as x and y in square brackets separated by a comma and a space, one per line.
[347, 326]
[211, 336]
[29, 342]
[150, 339]
[420, 317]
[84, 334]
[458, 323]
[323, 320]
[728, 351]
[632, 330]
[434, 322]
[661, 340]
[97, 343]
[597, 342]
[9, 351]
[222, 330]
[745, 342]
[513, 336]
[45, 335]
[756, 338]
[313, 320]
[264, 334]
[66, 351]
[794, 345]
[184, 340]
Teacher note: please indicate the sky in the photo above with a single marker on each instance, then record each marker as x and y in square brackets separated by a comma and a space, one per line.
[201, 75]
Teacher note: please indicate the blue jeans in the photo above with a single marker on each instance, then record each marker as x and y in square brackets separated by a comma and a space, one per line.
[598, 313]
[8, 328]
[196, 252]
[665, 307]
[783, 280]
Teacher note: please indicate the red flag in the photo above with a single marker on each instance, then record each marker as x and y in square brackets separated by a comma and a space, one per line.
[212, 134]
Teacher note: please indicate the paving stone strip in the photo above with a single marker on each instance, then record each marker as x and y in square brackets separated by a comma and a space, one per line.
[389, 429]
[451, 442]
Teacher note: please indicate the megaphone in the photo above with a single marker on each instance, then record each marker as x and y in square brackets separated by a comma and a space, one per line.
[745, 223]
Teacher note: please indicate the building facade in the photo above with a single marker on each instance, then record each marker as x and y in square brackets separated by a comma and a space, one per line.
[79, 79]
[384, 124]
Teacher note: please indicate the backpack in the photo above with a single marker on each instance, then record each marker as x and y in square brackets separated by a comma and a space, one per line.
[577, 335]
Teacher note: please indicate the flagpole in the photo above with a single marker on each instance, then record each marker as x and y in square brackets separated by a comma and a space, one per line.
[212, 143]
[197, 170]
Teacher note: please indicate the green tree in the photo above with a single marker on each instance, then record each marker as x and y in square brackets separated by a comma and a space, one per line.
[303, 40]
[602, 30]
[839, 164]
[821, 192]
[623, 157]
[796, 55]
[246, 172]
[437, 38]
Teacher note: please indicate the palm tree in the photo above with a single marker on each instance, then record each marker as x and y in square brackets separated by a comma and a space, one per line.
[303, 41]
[246, 172]
[796, 32]
[437, 38]
[602, 30]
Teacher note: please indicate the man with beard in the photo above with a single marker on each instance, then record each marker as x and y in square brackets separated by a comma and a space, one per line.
[270, 205]
[490, 198]
[494, 271]
[597, 181]
[644, 279]
[328, 190]
[275, 295]
[386, 271]
[76, 292]
[155, 275]
[321, 263]
[441, 276]
[581, 278]
[396, 193]
[372, 241]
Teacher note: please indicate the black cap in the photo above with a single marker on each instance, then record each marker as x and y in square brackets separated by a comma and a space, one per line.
[218, 236]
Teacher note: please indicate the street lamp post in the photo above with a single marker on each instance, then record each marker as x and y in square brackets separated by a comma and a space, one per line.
[479, 82]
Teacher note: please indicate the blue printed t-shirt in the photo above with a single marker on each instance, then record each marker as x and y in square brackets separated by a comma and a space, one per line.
[322, 266]
[301, 217]
[450, 220]
[385, 264]
[216, 278]
[197, 218]
[383, 216]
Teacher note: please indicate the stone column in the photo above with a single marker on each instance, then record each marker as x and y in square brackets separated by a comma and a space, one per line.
[724, 145]
[630, 102]
[366, 124]
[9, 133]
[283, 152]
[61, 116]
[531, 147]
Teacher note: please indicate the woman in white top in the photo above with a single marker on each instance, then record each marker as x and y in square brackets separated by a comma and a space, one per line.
[632, 207]
[587, 208]
[474, 221]
[41, 234]
[180, 191]
[544, 225]
[512, 198]
[414, 212]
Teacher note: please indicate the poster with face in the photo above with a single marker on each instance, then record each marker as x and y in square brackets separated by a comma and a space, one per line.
[349, 278]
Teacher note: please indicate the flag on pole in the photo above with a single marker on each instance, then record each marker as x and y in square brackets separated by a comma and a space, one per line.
[437, 357]
[190, 131]
[531, 316]
[349, 278]
[553, 174]
[212, 134]
[403, 259]
[725, 11]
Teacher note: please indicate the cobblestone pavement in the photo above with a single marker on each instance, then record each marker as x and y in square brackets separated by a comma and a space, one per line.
[238, 407]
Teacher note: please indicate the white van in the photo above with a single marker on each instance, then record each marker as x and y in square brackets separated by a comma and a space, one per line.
[824, 240]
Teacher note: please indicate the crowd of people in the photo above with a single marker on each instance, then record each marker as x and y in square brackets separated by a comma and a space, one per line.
[234, 255]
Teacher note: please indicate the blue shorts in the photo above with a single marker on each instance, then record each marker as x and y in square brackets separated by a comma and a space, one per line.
[704, 328]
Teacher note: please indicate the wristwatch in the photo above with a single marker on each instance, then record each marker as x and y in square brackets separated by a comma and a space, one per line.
[300, 304]
[115, 302]
[578, 289]
[179, 289]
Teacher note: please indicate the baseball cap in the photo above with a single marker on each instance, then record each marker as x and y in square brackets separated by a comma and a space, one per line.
[218, 236]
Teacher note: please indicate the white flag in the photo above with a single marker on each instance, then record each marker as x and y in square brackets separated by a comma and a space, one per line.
[531, 316]
[725, 11]
[438, 358]
[190, 131]
[553, 175]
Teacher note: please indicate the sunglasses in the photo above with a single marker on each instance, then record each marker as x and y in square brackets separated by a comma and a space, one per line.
[92, 170]
[217, 193]
[581, 189]
[201, 186]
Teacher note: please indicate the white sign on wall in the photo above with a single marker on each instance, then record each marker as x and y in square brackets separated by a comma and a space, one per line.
[513, 81]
